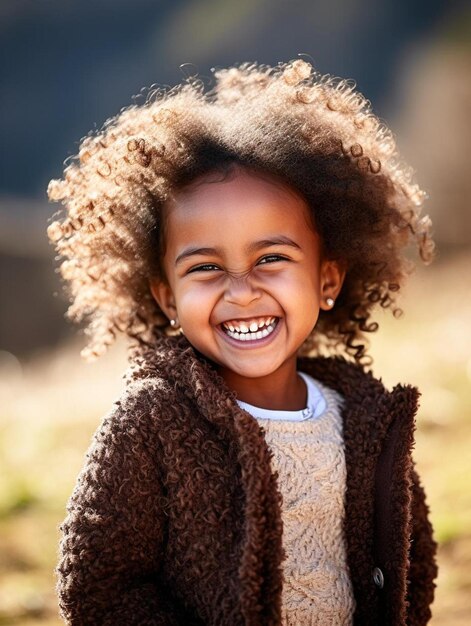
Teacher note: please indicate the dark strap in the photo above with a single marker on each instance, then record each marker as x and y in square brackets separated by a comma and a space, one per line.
[382, 494]
[382, 518]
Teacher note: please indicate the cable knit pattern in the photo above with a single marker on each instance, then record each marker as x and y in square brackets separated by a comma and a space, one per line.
[309, 457]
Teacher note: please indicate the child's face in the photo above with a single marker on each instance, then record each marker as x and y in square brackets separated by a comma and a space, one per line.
[242, 256]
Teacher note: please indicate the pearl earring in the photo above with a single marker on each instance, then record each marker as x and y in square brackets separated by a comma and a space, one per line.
[173, 323]
[330, 301]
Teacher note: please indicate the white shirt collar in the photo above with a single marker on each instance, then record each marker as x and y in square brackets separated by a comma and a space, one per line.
[316, 405]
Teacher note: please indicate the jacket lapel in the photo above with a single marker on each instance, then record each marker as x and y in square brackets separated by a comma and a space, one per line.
[393, 505]
[260, 575]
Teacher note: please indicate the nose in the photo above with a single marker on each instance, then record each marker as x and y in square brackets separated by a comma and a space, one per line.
[241, 291]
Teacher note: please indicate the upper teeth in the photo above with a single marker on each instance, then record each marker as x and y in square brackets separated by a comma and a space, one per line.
[251, 326]
[251, 330]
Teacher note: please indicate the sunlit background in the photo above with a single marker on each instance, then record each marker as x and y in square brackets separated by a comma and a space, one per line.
[68, 65]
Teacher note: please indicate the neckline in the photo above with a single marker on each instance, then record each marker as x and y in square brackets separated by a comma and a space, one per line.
[316, 405]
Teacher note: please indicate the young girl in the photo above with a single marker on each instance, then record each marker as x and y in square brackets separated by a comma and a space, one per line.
[253, 471]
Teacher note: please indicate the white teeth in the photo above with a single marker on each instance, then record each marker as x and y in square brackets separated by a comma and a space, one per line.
[252, 327]
[245, 335]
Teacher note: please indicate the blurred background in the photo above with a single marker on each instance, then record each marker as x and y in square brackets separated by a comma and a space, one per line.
[65, 67]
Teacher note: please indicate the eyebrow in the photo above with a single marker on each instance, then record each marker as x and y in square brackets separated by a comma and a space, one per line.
[280, 240]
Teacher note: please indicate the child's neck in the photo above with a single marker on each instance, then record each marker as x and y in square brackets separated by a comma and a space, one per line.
[282, 390]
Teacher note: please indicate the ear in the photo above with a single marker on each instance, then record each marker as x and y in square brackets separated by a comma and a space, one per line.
[163, 295]
[332, 277]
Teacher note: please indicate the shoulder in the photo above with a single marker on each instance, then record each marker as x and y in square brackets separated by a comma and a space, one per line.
[143, 393]
[133, 418]
[369, 407]
[153, 374]
[352, 381]
[157, 386]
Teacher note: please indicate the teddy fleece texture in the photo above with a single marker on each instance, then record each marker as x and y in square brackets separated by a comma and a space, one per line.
[176, 515]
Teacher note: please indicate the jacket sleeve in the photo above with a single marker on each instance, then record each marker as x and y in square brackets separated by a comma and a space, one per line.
[113, 535]
[423, 565]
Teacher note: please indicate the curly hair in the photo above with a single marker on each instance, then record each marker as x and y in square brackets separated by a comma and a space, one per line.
[314, 132]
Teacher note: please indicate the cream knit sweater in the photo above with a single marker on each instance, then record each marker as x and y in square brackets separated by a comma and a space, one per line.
[309, 458]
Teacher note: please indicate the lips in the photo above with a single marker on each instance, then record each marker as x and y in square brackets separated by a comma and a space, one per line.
[250, 330]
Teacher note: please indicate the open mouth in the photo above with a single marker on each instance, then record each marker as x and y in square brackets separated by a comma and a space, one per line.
[250, 330]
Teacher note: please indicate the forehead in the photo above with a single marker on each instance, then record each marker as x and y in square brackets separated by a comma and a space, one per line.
[235, 209]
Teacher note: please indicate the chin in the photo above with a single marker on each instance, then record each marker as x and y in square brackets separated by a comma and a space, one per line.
[253, 371]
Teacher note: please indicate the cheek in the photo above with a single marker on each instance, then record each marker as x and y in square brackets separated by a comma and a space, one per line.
[294, 283]
[196, 301]
[299, 295]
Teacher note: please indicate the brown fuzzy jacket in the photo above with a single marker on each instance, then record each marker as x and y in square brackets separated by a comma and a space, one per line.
[175, 518]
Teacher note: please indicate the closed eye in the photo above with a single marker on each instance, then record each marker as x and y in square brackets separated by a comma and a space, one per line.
[272, 258]
[211, 267]
[206, 267]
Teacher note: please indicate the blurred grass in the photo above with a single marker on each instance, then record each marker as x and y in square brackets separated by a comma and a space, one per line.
[51, 406]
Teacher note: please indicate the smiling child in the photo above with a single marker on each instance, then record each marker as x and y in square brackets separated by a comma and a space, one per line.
[253, 470]
[252, 325]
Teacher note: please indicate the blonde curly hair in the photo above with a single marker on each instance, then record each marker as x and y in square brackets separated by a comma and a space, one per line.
[313, 132]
